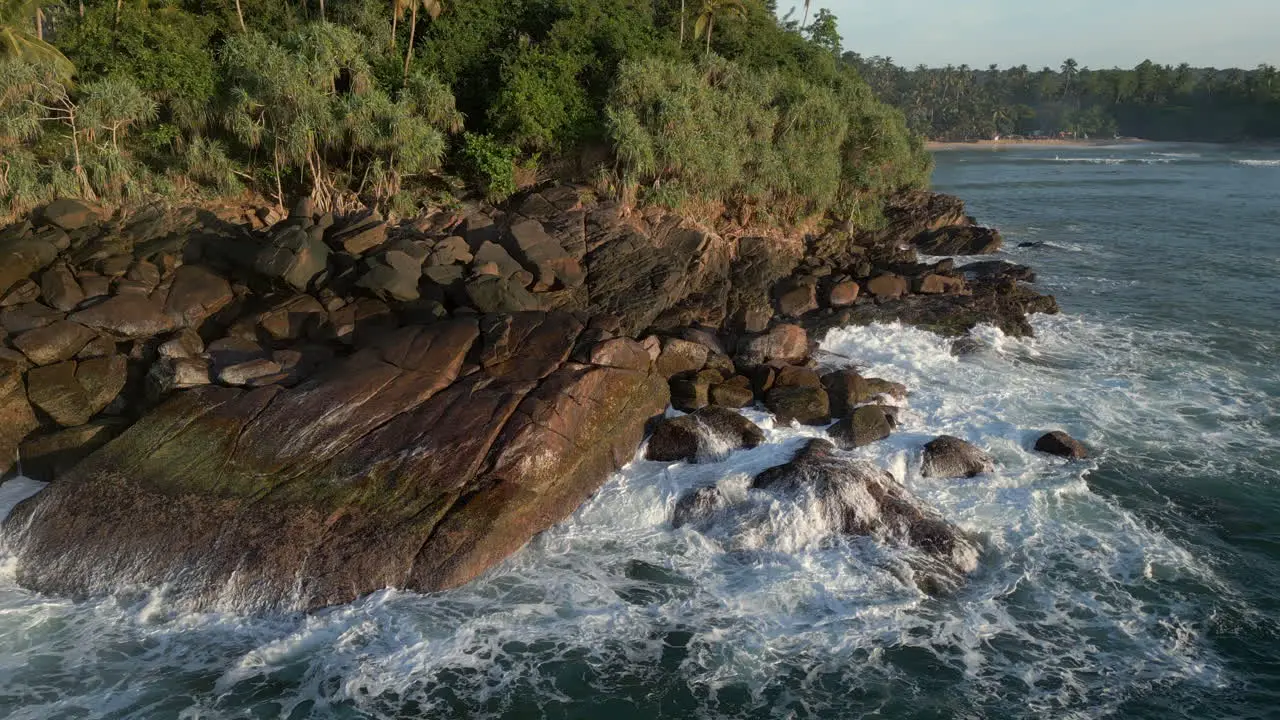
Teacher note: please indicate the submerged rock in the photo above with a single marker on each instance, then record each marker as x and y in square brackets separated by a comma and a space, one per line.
[706, 435]
[698, 506]
[857, 498]
[951, 457]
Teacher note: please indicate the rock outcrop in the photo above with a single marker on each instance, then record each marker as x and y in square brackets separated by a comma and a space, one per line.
[705, 435]
[1061, 444]
[950, 457]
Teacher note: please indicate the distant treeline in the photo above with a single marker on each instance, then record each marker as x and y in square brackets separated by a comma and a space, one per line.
[1159, 102]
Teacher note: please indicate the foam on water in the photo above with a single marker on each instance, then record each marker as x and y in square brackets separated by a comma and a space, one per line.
[1076, 605]
[1258, 163]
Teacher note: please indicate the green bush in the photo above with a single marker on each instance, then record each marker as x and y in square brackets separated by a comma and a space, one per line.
[491, 165]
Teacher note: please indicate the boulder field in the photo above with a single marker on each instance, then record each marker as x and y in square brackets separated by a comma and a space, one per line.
[288, 413]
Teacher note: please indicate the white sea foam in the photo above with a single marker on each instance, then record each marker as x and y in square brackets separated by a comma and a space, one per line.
[1070, 604]
[1258, 163]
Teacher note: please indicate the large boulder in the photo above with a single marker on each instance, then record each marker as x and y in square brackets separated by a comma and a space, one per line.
[951, 457]
[544, 256]
[865, 425]
[70, 393]
[857, 498]
[392, 468]
[54, 343]
[392, 275]
[783, 343]
[20, 258]
[69, 214]
[48, 456]
[196, 294]
[707, 435]
[60, 289]
[804, 404]
[1061, 444]
[960, 240]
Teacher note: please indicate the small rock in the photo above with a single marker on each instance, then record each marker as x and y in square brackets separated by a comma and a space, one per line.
[54, 343]
[680, 356]
[705, 435]
[803, 404]
[185, 344]
[887, 286]
[170, 374]
[866, 425]
[69, 214]
[787, 344]
[245, 372]
[292, 319]
[697, 506]
[843, 294]
[1061, 444]
[60, 289]
[797, 296]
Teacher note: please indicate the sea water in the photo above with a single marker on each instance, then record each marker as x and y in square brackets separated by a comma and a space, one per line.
[1142, 583]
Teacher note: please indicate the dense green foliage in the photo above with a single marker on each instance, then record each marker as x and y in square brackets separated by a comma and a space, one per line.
[369, 102]
[1159, 102]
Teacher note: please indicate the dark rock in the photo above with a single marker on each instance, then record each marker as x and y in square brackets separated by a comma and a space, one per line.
[691, 391]
[294, 257]
[48, 456]
[951, 457]
[16, 416]
[100, 346]
[706, 338]
[878, 387]
[797, 296]
[680, 356]
[102, 379]
[196, 295]
[451, 250]
[361, 236]
[54, 343]
[60, 289]
[698, 506]
[54, 390]
[793, 376]
[22, 258]
[843, 293]
[229, 351]
[490, 252]
[865, 425]
[170, 374]
[1061, 444]
[25, 291]
[127, 317]
[730, 394]
[846, 389]
[887, 286]
[967, 345]
[960, 240]
[552, 267]
[393, 275]
[22, 318]
[184, 344]
[787, 344]
[856, 498]
[707, 435]
[69, 214]
[389, 469]
[294, 318]
[115, 265]
[803, 404]
[93, 285]
[145, 275]
[361, 320]
[497, 294]
[997, 271]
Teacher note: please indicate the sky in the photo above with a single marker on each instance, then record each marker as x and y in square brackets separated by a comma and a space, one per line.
[1097, 33]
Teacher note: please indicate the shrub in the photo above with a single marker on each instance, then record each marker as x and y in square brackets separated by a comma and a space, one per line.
[491, 165]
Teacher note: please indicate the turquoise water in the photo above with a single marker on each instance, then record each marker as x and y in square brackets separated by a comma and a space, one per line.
[1141, 584]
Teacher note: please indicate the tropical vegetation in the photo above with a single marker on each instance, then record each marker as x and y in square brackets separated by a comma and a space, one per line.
[714, 105]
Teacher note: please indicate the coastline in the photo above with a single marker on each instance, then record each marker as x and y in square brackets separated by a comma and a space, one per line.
[935, 145]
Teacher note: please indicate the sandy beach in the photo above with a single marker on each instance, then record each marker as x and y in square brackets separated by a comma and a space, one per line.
[1050, 142]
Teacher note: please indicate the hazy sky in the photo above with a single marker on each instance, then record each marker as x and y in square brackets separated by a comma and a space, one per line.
[1097, 33]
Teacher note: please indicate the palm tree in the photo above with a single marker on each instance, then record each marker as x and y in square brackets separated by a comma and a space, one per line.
[805, 20]
[712, 8]
[20, 36]
[433, 8]
[397, 13]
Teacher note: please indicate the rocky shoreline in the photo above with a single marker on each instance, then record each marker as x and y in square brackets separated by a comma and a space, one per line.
[291, 413]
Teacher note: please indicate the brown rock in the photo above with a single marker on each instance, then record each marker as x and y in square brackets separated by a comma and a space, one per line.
[20, 259]
[94, 286]
[1061, 444]
[60, 289]
[185, 344]
[170, 374]
[48, 456]
[69, 214]
[843, 293]
[784, 343]
[25, 291]
[245, 372]
[887, 287]
[732, 395]
[804, 404]
[933, 284]
[127, 317]
[793, 376]
[797, 296]
[102, 379]
[55, 390]
[196, 295]
[30, 316]
[680, 356]
[865, 425]
[703, 436]
[16, 416]
[951, 457]
[292, 319]
[54, 343]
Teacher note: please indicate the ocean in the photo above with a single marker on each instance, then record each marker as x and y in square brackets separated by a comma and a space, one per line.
[1143, 583]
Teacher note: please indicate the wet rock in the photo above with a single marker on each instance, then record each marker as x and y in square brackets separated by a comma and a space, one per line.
[60, 289]
[707, 435]
[127, 317]
[960, 240]
[856, 498]
[71, 393]
[865, 425]
[843, 293]
[681, 356]
[846, 389]
[16, 416]
[788, 344]
[887, 286]
[802, 404]
[294, 257]
[879, 387]
[196, 295]
[69, 214]
[1061, 444]
[797, 296]
[951, 457]
[54, 343]
[793, 376]
[698, 506]
[997, 271]
[48, 456]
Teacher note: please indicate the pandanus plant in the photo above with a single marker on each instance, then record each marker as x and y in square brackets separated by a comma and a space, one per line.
[20, 37]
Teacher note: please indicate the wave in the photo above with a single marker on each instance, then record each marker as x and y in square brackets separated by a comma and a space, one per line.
[1257, 163]
[615, 603]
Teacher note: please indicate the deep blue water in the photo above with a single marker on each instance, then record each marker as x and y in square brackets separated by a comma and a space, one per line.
[1141, 584]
